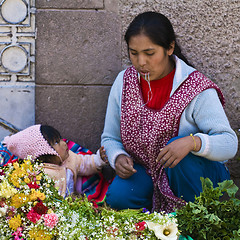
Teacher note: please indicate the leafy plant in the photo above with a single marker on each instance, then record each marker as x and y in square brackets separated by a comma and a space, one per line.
[208, 217]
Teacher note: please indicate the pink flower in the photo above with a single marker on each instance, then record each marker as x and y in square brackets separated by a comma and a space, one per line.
[140, 226]
[50, 220]
[33, 216]
[18, 234]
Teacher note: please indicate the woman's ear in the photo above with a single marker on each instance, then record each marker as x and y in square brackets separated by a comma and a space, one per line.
[171, 48]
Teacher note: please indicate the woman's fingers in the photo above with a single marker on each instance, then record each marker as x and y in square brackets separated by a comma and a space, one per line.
[124, 166]
[123, 172]
[167, 159]
[170, 162]
[174, 152]
[163, 155]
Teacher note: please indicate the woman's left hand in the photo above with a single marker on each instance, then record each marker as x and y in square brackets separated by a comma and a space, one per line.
[175, 151]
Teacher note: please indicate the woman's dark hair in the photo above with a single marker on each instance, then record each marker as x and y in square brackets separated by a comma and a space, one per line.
[52, 136]
[158, 28]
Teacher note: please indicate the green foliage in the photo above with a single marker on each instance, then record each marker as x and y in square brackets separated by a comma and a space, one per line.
[208, 217]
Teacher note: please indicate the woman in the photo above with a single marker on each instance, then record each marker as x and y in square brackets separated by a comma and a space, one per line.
[165, 126]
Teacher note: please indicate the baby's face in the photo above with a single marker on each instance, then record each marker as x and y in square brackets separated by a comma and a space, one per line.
[62, 149]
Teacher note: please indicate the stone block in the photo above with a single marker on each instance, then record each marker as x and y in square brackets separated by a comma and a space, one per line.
[78, 112]
[76, 4]
[17, 107]
[77, 47]
[112, 6]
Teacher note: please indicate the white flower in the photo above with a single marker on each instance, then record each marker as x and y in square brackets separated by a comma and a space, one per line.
[3, 210]
[164, 232]
[29, 157]
[133, 236]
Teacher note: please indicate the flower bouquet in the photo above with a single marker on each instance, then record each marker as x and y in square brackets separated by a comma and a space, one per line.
[28, 202]
[31, 208]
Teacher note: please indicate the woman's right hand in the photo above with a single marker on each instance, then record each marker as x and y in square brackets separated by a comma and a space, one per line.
[124, 166]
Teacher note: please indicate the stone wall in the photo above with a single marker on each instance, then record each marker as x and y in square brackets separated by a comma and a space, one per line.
[78, 56]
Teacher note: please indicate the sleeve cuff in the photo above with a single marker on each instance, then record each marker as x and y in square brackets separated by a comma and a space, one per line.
[99, 163]
[114, 157]
[204, 144]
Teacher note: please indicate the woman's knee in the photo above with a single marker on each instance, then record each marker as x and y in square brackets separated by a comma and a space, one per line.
[134, 192]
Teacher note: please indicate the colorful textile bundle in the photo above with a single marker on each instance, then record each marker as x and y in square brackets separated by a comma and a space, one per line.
[6, 156]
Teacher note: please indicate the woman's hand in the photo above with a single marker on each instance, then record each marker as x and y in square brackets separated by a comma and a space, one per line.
[124, 166]
[175, 151]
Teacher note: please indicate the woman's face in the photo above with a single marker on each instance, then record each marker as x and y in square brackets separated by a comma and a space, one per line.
[62, 149]
[149, 58]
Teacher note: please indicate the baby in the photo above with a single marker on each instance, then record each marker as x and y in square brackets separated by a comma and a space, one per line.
[44, 143]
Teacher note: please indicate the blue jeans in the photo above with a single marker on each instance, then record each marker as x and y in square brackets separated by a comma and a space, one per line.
[184, 180]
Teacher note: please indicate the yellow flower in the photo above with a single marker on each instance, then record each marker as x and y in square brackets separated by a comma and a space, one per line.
[38, 182]
[20, 172]
[17, 174]
[37, 194]
[50, 211]
[15, 222]
[40, 195]
[27, 165]
[27, 180]
[6, 190]
[16, 165]
[39, 177]
[13, 178]
[33, 195]
[38, 234]
[19, 199]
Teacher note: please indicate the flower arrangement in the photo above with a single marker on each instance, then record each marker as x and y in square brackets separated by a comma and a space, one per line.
[31, 208]
[27, 206]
